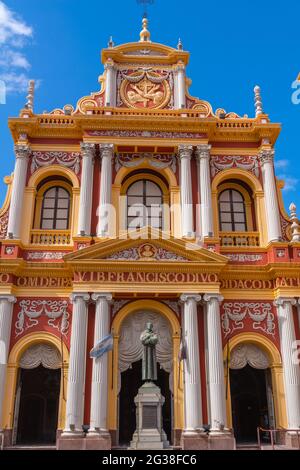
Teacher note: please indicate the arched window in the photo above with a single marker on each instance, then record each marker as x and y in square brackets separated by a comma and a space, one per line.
[232, 213]
[144, 205]
[55, 209]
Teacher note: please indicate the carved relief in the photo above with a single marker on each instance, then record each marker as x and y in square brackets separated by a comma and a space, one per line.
[158, 161]
[68, 159]
[146, 252]
[145, 89]
[225, 162]
[235, 314]
[3, 225]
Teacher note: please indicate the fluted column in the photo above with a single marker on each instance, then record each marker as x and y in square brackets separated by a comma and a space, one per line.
[215, 364]
[86, 189]
[272, 208]
[204, 184]
[180, 86]
[6, 311]
[187, 216]
[291, 369]
[110, 84]
[106, 155]
[192, 378]
[77, 365]
[15, 211]
[98, 424]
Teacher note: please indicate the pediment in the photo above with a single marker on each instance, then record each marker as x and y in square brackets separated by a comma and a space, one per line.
[150, 247]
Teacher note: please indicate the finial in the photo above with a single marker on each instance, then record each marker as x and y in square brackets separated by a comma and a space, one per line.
[258, 101]
[145, 34]
[179, 45]
[30, 96]
[295, 223]
[111, 43]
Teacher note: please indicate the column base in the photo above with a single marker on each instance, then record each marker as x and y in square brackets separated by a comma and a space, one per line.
[292, 440]
[98, 441]
[221, 441]
[71, 440]
[196, 440]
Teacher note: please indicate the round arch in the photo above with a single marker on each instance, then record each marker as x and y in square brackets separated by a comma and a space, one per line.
[236, 173]
[166, 172]
[274, 356]
[12, 374]
[53, 171]
[161, 309]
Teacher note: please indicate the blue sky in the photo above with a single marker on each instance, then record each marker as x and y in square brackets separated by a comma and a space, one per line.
[234, 46]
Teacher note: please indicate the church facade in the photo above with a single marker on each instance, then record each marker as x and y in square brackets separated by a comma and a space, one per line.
[143, 204]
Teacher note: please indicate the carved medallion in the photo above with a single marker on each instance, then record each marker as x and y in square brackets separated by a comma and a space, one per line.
[145, 89]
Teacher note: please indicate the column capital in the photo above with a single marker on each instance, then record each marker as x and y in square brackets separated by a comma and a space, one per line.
[87, 149]
[280, 301]
[102, 295]
[266, 156]
[186, 297]
[106, 150]
[109, 65]
[79, 295]
[203, 151]
[9, 298]
[22, 151]
[179, 67]
[209, 297]
[185, 151]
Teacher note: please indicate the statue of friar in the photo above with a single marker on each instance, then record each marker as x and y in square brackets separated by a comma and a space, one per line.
[149, 340]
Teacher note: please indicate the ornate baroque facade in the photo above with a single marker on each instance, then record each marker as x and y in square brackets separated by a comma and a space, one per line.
[144, 203]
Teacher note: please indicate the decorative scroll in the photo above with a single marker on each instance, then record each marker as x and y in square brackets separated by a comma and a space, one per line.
[44, 255]
[225, 162]
[244, 258]
[236, 313]
[158, 161]
[131, 348]
[146, 252]
[41, 354]
[117, 305]
[153, 134]
[68, 159]
[3, 225]
[32, 311]
[244, 354]
[285, 228]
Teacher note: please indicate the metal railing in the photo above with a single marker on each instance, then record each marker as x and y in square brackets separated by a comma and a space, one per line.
[276, 437]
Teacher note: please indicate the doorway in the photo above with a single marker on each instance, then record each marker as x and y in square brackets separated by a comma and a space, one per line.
[251, 407]
[131, 382]
[39, 404]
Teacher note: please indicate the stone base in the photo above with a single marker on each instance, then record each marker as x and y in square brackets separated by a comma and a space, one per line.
[70, 443]
[222, 441]
[98, 442]
[292, 440]
[194, 441]
[7, 441]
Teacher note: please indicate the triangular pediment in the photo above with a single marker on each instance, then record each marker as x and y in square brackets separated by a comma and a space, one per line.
[151, 246]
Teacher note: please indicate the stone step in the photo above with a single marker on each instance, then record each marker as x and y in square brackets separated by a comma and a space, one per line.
[34, 447]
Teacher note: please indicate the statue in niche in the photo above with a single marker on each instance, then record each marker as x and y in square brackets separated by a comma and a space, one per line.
[149, 340]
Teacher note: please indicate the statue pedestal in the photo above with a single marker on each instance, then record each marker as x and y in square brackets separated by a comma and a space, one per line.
[149, 432]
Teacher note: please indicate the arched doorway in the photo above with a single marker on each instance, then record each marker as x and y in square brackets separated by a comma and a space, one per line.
[38, 392]
[130, 371]
[251, 392]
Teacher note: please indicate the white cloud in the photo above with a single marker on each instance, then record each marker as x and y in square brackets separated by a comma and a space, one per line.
[290, 183]
[281, 163]
[14, 65]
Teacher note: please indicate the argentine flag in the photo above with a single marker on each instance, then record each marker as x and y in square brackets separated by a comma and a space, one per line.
[105, 345]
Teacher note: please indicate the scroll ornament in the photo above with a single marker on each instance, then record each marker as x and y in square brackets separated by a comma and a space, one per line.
[235, 313]
[68, 159]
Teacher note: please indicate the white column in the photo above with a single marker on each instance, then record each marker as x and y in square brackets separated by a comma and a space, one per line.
[15, 211]
[86, 189]
[77, 366]
[110, 84]
[106, 155]
[270, 191]
[204, 184]
[6, 311]
[215, 364]
[180, 86]
[192, 378]
[98, 424]
[187, 216]
[291, 369]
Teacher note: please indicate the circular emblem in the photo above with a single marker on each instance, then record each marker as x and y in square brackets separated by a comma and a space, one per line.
[147, 89]
[147, 252]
